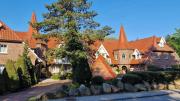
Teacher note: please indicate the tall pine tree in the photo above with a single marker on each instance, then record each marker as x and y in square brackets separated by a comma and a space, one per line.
[69, 19]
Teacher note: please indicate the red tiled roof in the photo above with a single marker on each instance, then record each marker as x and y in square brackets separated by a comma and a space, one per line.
[28, 36]
[166, 48]
[22, 35]
[147, 44]
[107, 67]
[109, 45]
[31, 29]
[122, 42]
[143, 45]
[6, 34]
[53, 42]
[137, 61]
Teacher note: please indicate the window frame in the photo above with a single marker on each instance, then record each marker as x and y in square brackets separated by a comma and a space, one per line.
[116, 57]
[123, 56]
[6, 49]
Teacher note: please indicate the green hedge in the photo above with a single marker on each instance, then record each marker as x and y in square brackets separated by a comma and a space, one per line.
[17, 75]
[2, 83]
[13, 79]
[150, 76]
[131, 78]
[154, 68]
[97, 80]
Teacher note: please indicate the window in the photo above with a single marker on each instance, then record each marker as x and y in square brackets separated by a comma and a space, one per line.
[166, 56]
[104, 55]
[129, 56]
[133, 56]
[138, 56]
[115, 56]
[157, 57]
[1, 68]
[162, 42]
[123, 56]
[109, 60]
[3, 48]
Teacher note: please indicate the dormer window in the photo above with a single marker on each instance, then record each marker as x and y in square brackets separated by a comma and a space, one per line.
[102, 51]
[136, 54]
[162, 42]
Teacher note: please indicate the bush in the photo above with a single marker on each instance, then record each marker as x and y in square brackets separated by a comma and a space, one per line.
[13, 81]
[112, 81]
[68, 75]
[174, 68]
[144, 75]
[2, 83]
[97, 80]
[23, 72]
[73, 86]
[131, 78]
[55, 76]
[45, 73]
[158, 76]
[154, 68]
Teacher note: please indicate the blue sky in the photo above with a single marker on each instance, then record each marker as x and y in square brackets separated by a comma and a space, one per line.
[140, 18]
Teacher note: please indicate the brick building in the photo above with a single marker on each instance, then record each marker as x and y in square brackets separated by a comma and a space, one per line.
[134, 55]
[12, 44]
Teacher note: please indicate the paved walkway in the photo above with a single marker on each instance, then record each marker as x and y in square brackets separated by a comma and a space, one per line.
[42, 87]
[163, 95]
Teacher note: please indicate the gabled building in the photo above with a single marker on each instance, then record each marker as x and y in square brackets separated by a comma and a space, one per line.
[135, 55]
[12, 44]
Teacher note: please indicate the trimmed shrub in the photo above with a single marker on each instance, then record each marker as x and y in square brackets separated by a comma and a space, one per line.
[55, 76]
[23, 72]
[154, 68]
[131, 78]
[73, 86]
[112, 81]
[97, 80]
[174, 68]
[2, 83]
[45, 73]
[68, 75]
[13, 82]
[158, 76]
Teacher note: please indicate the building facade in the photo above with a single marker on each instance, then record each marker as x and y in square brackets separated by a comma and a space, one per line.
[12, 44]
[135, 55]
